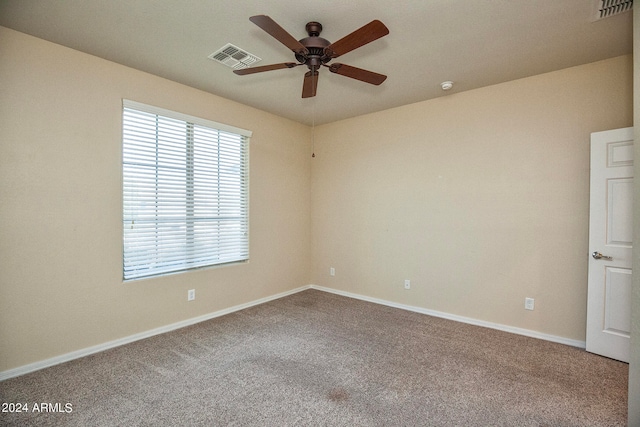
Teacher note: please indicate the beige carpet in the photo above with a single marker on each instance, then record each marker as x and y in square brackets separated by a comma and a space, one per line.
[319, 359]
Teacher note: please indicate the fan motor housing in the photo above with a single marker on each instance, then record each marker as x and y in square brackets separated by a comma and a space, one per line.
[315, 45]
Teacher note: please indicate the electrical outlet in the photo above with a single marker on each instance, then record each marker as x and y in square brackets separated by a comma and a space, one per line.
[332, 271]
[528, 303]
[191, 294]
[407, 284]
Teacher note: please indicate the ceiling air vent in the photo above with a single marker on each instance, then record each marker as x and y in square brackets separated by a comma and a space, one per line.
[606, 8]
[234, 57]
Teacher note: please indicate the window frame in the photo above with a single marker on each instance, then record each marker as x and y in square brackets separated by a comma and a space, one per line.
[187, 252]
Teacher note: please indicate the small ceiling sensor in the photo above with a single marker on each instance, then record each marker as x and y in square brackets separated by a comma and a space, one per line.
[446, 85]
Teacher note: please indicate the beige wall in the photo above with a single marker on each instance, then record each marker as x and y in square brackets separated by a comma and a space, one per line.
[60, 205]
[479, 198]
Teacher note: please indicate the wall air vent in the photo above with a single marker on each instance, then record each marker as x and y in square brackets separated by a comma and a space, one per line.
[606, 8]
[234, 57]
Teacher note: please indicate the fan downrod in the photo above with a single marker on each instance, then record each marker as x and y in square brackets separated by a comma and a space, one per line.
[313, 28]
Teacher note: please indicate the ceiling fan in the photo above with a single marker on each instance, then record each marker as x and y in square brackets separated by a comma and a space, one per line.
[314, 52]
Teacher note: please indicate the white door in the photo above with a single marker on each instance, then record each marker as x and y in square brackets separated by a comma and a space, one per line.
[610, 242]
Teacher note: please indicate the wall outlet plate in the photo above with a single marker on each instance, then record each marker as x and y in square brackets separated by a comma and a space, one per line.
[407, 284]
[528, 303]
[191, 294]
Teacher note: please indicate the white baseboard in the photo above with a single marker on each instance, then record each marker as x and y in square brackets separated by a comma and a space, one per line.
[22, 370]
[462, 319]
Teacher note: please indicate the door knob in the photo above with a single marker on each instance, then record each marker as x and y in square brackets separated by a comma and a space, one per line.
[598, 255]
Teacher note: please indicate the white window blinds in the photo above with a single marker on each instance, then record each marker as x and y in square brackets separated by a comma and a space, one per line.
[185, 192]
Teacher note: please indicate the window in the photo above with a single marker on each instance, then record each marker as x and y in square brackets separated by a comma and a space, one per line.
[185, 192]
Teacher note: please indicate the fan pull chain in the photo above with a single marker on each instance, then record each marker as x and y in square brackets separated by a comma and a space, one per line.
[313, 140]
[313, 128]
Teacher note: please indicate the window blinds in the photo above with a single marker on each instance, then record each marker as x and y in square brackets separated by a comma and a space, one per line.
[185, 192]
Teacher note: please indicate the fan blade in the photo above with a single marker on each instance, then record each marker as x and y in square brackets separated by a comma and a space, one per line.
[279, 33]
[357, 73]
[366, 34]
[252, 70]
[310, 84]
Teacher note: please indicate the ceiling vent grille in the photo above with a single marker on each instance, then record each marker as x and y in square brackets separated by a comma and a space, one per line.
[234, 57]
[606, 8]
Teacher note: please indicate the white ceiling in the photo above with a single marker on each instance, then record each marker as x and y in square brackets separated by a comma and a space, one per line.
[474, 43]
